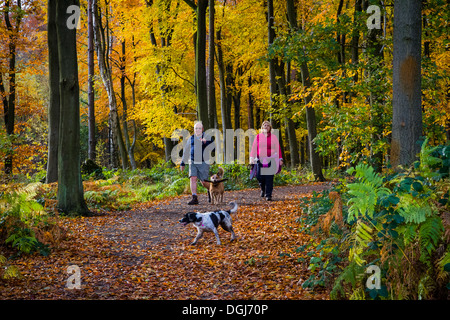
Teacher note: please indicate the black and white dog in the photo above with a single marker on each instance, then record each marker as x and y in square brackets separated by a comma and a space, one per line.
[209, 221]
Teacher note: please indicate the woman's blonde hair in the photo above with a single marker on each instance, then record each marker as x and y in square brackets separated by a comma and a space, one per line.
[266, 122]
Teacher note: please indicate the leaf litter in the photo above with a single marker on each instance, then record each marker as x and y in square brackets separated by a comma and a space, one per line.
[145, 253]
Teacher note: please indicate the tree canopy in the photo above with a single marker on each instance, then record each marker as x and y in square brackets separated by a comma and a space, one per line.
[149, 52]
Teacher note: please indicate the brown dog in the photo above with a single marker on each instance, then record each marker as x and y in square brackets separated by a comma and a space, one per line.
[216, 187]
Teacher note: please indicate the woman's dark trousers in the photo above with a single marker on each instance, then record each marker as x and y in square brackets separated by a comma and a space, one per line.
[266, 185]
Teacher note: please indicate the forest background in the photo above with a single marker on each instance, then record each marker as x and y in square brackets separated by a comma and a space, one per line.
[149, 52]
[319, 70]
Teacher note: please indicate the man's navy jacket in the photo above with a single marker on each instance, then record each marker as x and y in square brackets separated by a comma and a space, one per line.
[193, 152]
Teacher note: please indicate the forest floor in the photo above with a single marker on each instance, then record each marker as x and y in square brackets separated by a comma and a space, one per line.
[144, 253]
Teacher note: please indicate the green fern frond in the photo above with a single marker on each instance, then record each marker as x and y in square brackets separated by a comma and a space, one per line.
[8, 271]
[445, 260]
[443, 267]
[409, 232]
[427, 161]
[363, 233]
[352, 274]
[20, 202]
[30, 190]
[430, 233]
[11, 272]
[358, 294]
[361, 239]
[367, 175]
[363, 200]
[365, 192]
[413, 210]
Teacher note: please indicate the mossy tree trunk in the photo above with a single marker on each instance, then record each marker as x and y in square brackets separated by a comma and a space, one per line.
[70, 187]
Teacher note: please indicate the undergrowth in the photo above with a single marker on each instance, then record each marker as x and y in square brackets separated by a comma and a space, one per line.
[25, 227]
[398, 222]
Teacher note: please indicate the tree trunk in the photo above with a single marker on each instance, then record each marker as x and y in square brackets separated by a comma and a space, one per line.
[54, 106]
[129, 147]
[310, 112]
[160, 68]
[355, 37]
[200, 65]
[251, 123]
[312, 127]
[101, 43]
[91, 105]
[70, 187]
[447, 132]
[290, 126]
[376, 98]
[9, 100]
[229, 94]
[271, 38]
[303, 143]
[223, 88]
[407, 100]
[212, 113]
[236, 97]
[293, 143]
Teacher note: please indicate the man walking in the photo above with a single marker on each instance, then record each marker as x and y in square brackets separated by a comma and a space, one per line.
[198, 166]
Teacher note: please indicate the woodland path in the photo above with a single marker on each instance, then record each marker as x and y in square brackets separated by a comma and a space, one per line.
[145, 253]
[165, 229]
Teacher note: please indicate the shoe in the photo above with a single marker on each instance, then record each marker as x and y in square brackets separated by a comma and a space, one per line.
[269, 198]
[262, 194]
[193, 201]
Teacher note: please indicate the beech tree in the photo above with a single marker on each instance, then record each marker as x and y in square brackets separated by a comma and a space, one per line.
[200, 61]
[9, 98]
[407, 94]
[102, 39]
[91, 106]
[212, 112]
[70, 187]
[54, 101]
[310, 112]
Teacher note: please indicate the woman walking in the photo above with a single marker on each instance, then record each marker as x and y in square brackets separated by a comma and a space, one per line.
[267, 152]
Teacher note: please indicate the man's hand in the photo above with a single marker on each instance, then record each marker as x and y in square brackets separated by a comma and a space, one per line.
[182, 168]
